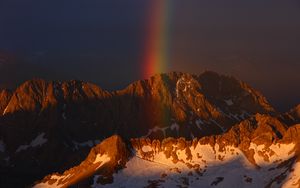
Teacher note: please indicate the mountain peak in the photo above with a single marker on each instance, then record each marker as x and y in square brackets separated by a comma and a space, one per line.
[249, 151]
[70, 117]
[101, 163]
[38, 94]
[296, 111]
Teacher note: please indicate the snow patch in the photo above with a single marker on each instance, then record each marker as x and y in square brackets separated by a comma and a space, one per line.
[276, 152]
[63, 115]
[293, 180]
[175, 126]
[183, 84]
[234, 116]
[199, 122]
[155, 129]
[229, 102]
[146, 148]
[5, 110]
[38, 141]
[59, 181]
[102, 159]
[227, 167]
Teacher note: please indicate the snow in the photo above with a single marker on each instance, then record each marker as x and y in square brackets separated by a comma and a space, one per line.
[175, 126]
[63, 115]
[22, 147]
[229, 102]
[138, 168]
[102, 159]
[60, 181]
[146, 148]
[199, 122]
[38, 141]
[192, 135]
[2, 146]
[155, 129]
[226, 168]
[293, 178]
[5, 110]
[183, 83]
[272, 153]
[234, 116]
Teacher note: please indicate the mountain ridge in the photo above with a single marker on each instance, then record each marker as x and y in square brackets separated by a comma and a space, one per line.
[277, 158]
[73, 116]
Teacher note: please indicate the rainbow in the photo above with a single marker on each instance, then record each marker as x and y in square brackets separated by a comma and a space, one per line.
[156, 55]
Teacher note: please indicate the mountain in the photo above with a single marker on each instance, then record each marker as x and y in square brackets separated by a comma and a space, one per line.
[292, 116]
[258, 152]
[295, 113]
[41, 119]
[5, 96]
[109, 156]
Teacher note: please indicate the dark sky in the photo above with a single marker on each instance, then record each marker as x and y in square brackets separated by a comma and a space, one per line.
[103, 40]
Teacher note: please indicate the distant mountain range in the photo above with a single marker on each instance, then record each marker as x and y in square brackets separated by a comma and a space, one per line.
[48, 127]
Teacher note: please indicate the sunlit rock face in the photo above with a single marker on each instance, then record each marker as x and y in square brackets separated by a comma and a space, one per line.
[196, 105]
[104, 159]
[71, 117]
[295, 112]
[260, 152]
[199, 105]
[5, 96]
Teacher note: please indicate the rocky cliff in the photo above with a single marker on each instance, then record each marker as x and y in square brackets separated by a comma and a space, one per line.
[258, 152]
[70, 117]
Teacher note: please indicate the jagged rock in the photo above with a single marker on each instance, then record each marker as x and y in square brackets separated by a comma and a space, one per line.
[5, 96]
[295, 113]
[236, 157]
[71, 117]
[103, 160]
[291, 117]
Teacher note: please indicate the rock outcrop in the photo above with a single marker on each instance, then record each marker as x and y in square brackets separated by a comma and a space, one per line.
[70, 117]
[258, 152]
[291, 117]
[103, 161]
[5, 96]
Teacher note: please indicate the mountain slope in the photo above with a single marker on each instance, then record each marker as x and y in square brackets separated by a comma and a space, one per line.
[71, 117]
[5, 96]
[259, 152]
[105, 158]
[292, 116]
[194, 105]
[295, 113]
